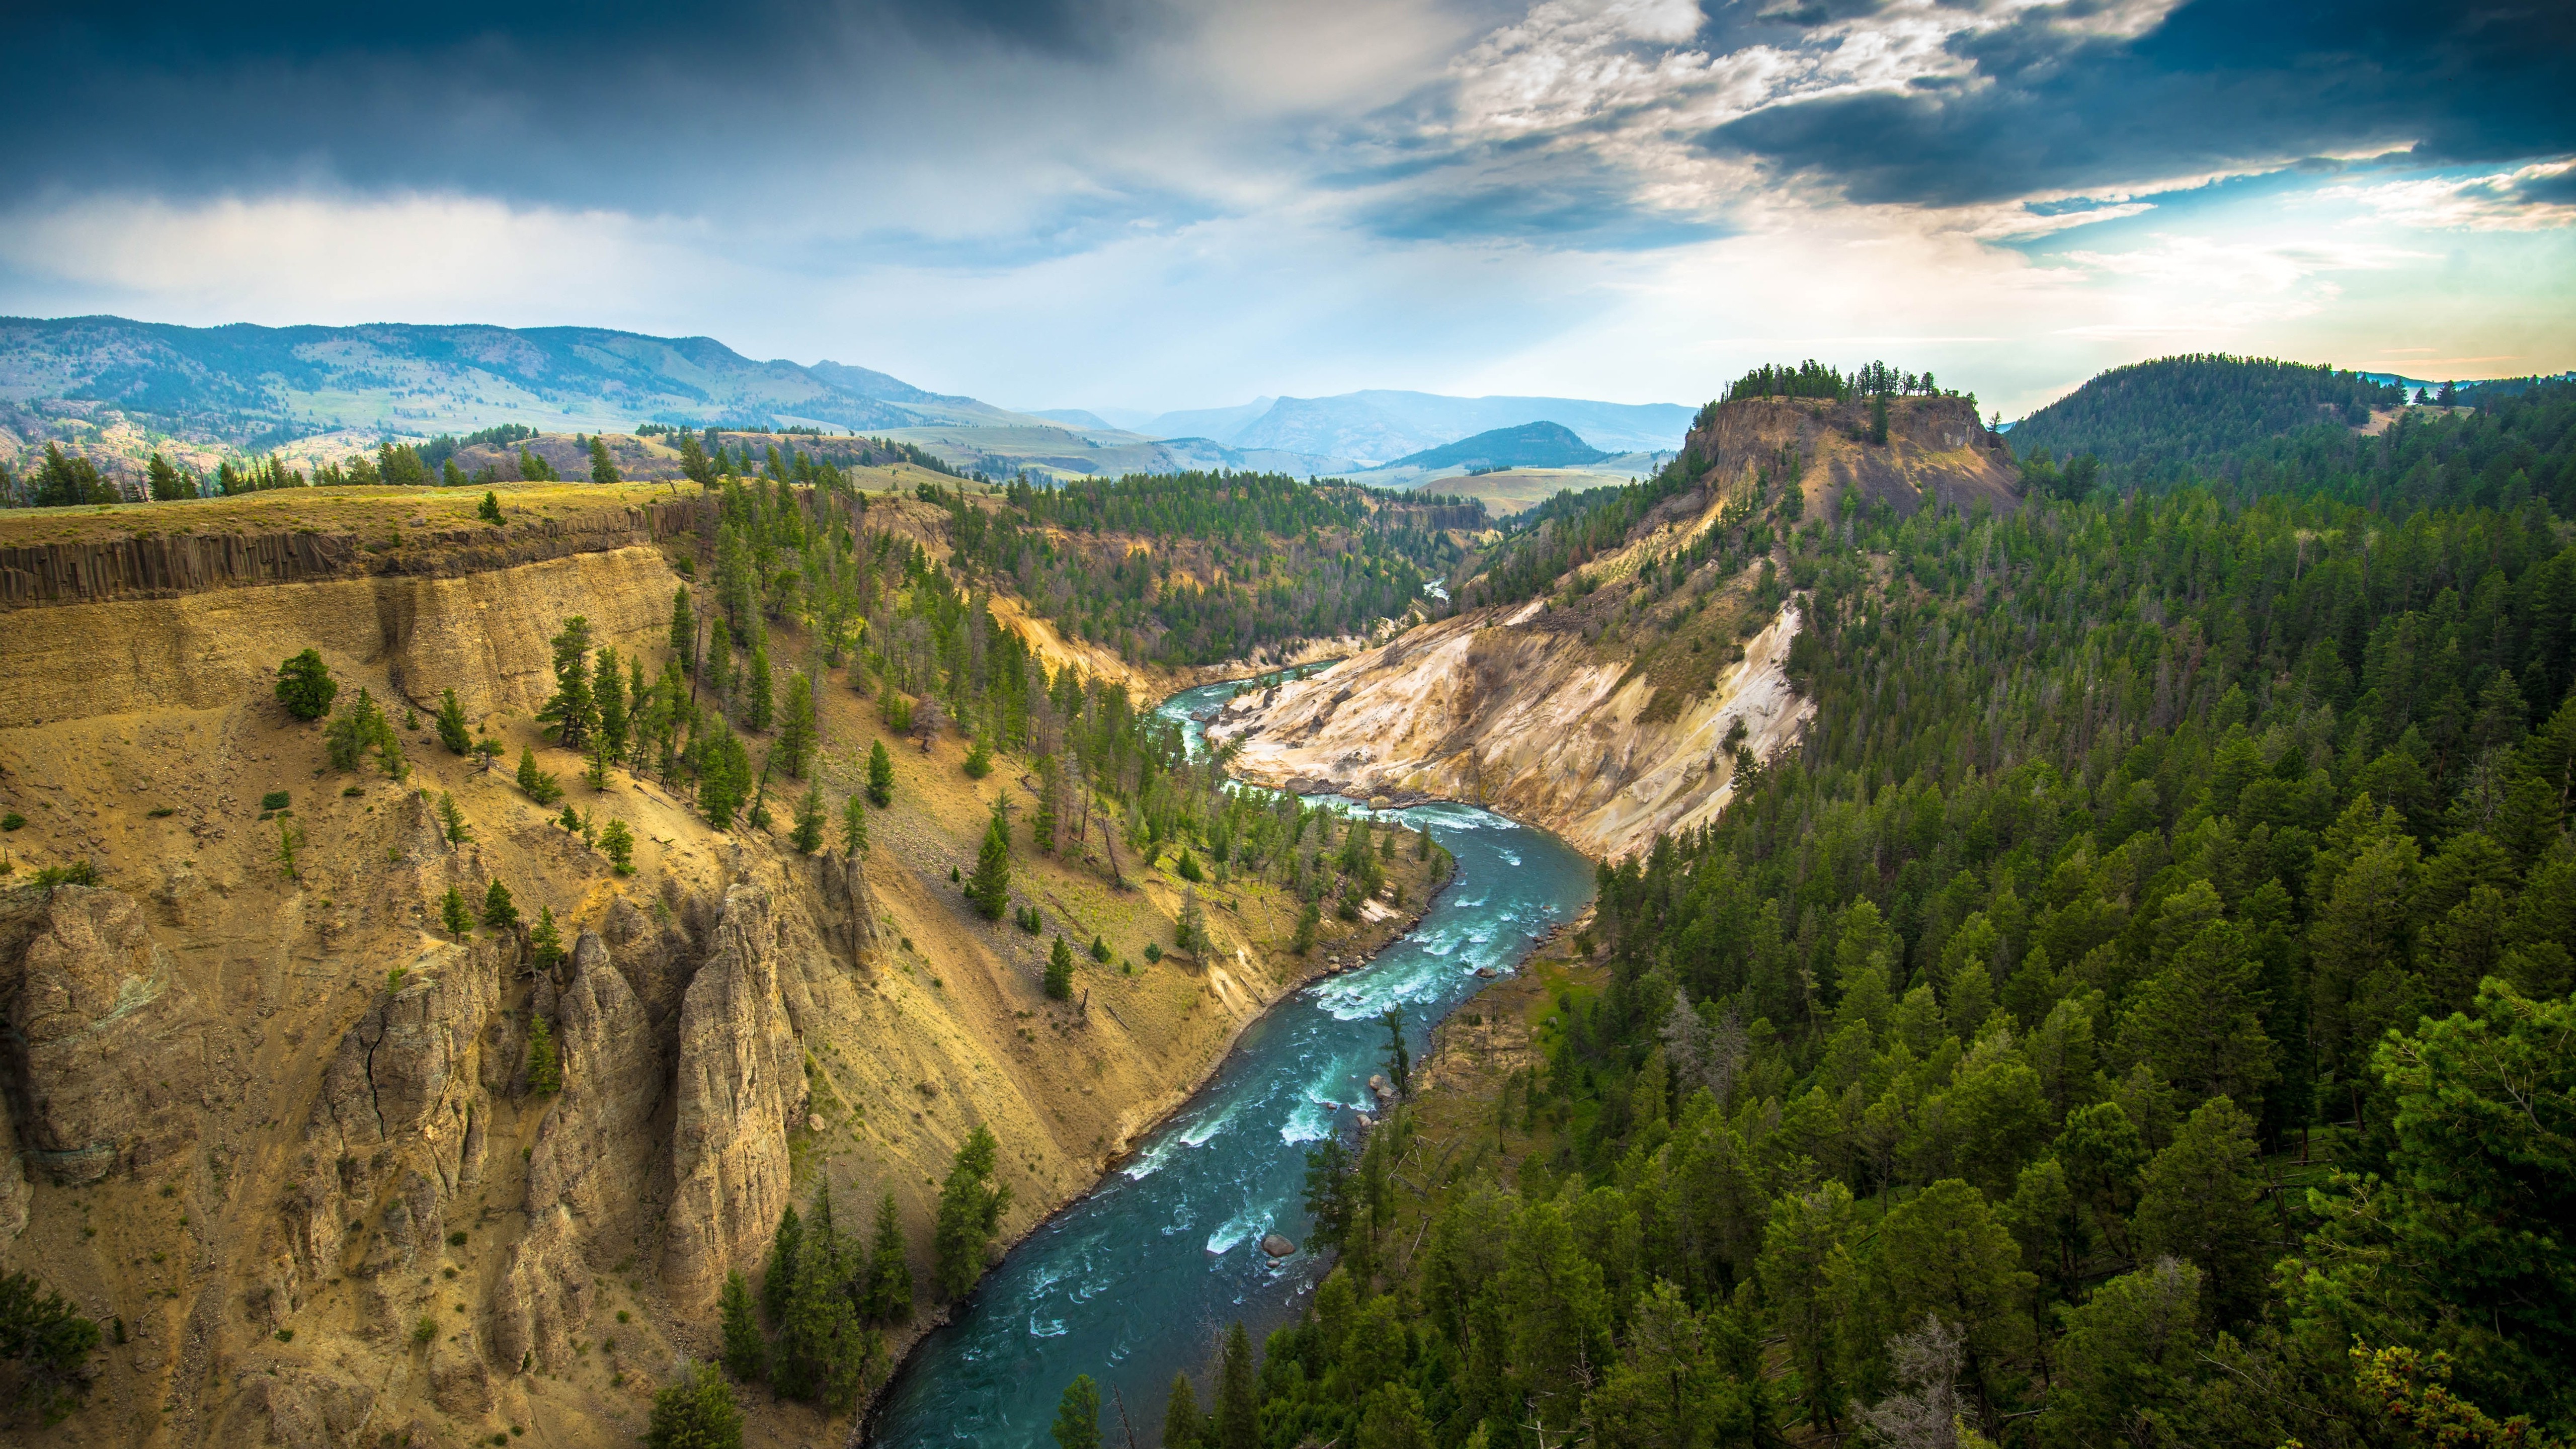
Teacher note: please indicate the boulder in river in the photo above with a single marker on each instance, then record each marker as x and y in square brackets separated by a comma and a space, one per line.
[1277, 1246]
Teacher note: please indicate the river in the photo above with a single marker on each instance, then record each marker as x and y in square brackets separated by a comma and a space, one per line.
[1135, 1280]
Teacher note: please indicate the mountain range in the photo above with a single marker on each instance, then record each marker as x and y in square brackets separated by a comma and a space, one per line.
[248, 387]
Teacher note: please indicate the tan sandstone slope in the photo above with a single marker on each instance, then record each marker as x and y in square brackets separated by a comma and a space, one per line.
[273, 1129]
[1612, 716]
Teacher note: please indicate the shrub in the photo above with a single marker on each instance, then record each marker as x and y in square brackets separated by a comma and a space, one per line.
[273, 800]
[305, 686]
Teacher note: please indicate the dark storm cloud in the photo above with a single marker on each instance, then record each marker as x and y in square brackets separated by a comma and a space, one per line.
[572, 103]
[2219, 85]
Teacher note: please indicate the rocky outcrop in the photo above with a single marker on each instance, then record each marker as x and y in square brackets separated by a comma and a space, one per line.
[850, 911]
[1496, 708]
[592, 1168]
[740, 1081]
[106, 1048]
[394, 1135]
[15, 1191]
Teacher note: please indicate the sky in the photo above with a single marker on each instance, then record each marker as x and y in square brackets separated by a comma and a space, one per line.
[1123, 204]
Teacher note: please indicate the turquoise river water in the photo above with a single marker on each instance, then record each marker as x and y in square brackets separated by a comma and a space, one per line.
[1135, 1281]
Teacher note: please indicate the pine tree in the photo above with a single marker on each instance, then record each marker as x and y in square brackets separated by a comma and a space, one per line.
[1042, 821]
[1077, 1415]
[810, 821]
[1238, 1413]
[452, 913]
[603, 468]
[305, 686]
[854, 827]
[684, 630]
[778, 1279]
[880, 775]
[694, 1411]
[574, 710]
[797, 734]
[167, 482]
[717, 667]
[489, 510]
[545, 941]
[617, 842]
[889, 1297]
[746, 1353]
[1399, 1057]
[1059, 971]
[759, 702]
[545, 1070]
[499, 911]
[1184, 1427]
[979, 756]
[970, 1208]
[724, 777]
[1192, 930]
[453, 731]
[1099, 950]
[540, 786]
[2199, 1022]
[608, 693]
[2198, 1202]
[452, 819]
[1309, 921]
[990, 886]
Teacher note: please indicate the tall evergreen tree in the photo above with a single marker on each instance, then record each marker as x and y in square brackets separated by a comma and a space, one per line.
[889, 1295]
[608, 696]
[1077, 1415]
[1184, 1426]
[970, 1208]
[798, 736]
[2198, 1203]
[880, 775]
[990, 886]
[453, 730]
[603, 467]
[684, 630]
[746, 1352]
[810, 821]
[759, 700]
[778, 1277]
[1059, 971]
[573, 710]
[1238, 1408]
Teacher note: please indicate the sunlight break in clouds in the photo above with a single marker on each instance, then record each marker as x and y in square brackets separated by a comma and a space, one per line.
[2529, 198]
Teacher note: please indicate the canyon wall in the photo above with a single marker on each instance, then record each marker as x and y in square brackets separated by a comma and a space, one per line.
[270, 1122]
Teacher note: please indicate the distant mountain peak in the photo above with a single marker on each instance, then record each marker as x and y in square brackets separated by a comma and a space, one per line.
[1531, 445]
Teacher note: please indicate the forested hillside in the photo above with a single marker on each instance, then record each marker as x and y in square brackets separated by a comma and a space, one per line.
[1196, 568]
[2137, 1014]
[2515, 447]
[2177, 412]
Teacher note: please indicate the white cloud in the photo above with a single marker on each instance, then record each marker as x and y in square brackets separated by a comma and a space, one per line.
[2494, 202]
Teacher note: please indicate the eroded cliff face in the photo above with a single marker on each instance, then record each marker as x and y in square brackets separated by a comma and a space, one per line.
[270, 1117]
[1497, 707]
